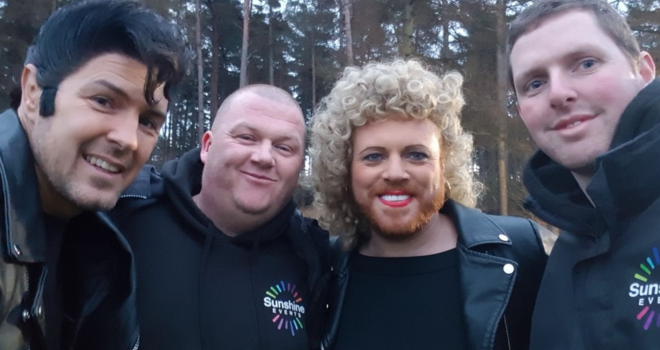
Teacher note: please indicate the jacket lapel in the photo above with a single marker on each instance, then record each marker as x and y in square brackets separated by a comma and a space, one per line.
[486, 281]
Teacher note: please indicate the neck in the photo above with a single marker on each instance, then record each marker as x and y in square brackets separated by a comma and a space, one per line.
[231, 223]
[583, 180]
[52, 203]
[437, 236]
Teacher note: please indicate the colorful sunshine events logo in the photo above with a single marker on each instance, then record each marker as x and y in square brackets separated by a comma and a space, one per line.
[285, 302]
[647, 293]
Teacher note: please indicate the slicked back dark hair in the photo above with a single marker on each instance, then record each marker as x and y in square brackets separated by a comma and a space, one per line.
[75, 34]
[609, 20]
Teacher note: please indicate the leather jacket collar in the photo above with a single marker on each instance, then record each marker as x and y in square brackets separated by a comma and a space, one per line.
[22, 225]
[485, 286]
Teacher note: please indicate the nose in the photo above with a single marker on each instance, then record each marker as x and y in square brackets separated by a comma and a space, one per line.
[395, 170]
[561, 91]
[263, 155]
[124, 131]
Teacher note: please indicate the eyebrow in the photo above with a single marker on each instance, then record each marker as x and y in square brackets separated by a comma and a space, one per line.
[123, 94]
[405, 149]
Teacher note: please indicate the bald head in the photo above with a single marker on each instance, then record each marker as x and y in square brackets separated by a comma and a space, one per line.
[269, 92]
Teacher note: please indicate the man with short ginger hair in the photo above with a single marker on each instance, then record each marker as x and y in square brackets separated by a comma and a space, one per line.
[590, 99]
[224, 260]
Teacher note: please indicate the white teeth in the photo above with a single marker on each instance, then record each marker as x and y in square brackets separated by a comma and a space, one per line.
[574, 124]
[102, 164]
[394, 198]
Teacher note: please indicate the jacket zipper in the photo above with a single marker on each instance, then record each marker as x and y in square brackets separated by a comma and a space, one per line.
[137, 343]
[132, 196]
[26, 312]
[506, 331]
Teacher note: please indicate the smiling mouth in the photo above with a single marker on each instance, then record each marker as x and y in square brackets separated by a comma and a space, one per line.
[565, 124]
[572, 125]
[395, 200]
[260, 177]
[100, 163]
[394, 197]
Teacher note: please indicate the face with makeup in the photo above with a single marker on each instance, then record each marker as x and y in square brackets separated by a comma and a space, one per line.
[101, 134]
[397, 175]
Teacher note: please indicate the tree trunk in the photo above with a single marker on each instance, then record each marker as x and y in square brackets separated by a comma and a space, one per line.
[346, 4]
[502, 92]
[271, 77]
[200, 73]
[444, 55]
[408, 26]
[313, 74]
[215, 61]
[244, 49]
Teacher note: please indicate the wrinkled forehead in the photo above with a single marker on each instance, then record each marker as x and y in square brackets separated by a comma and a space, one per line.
[247, 104]
[262, 114]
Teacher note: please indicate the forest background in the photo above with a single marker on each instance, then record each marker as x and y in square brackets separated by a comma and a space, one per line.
[303, 45]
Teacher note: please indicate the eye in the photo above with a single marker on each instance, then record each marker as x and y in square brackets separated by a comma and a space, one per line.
[284, 148]
[588, 63]
[373, 157]
[149, 123]
[533, 85]
[245, 137]
[102, 101]
[418, 156]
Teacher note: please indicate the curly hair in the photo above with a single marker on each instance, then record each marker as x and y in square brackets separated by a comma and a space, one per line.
[375, 92]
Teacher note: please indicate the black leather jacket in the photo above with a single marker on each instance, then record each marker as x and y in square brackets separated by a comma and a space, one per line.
[497, 303]
[104, 266]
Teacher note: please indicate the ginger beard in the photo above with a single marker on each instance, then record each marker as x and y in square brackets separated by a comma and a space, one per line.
[401, 229]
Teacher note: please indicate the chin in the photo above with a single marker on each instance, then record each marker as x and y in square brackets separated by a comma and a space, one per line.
[396, 231]
[95, 204]
[92, 199]
[253, 208]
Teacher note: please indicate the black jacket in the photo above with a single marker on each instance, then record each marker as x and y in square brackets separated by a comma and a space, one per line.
[497, 306]
[201, 289]
[599, 290]
[98, 256]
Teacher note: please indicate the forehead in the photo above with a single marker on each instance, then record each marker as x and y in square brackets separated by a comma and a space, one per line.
[397, 132]
[117, 70]
[263, 113]
[556, 37]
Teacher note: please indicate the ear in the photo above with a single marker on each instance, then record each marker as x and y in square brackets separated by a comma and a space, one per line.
[207, 140]
[30, 92]
[646, 67]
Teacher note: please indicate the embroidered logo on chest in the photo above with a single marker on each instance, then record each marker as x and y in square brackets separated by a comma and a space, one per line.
[647, 292]
[286, 305]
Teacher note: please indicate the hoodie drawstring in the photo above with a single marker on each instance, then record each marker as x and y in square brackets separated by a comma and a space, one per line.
[208, 241]
[254, 256]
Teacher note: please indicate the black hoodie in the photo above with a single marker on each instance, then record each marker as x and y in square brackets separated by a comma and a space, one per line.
[201, 289]
[599, 290]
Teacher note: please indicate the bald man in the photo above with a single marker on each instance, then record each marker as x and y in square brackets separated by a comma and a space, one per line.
[224, 260]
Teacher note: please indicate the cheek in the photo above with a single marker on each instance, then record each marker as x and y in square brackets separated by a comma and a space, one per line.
[362, 179]
[146, 145]
[531, 114]
[609, 89]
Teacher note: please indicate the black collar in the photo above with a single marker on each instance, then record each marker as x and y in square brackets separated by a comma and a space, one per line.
[23, 234]
[474, 228]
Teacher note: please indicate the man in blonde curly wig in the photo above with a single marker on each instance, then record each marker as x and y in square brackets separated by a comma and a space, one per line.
[391, 167]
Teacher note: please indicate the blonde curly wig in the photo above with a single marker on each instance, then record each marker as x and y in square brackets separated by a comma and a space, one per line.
[373, 93]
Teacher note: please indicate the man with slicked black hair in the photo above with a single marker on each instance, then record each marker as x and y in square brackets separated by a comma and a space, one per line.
[94, 94]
